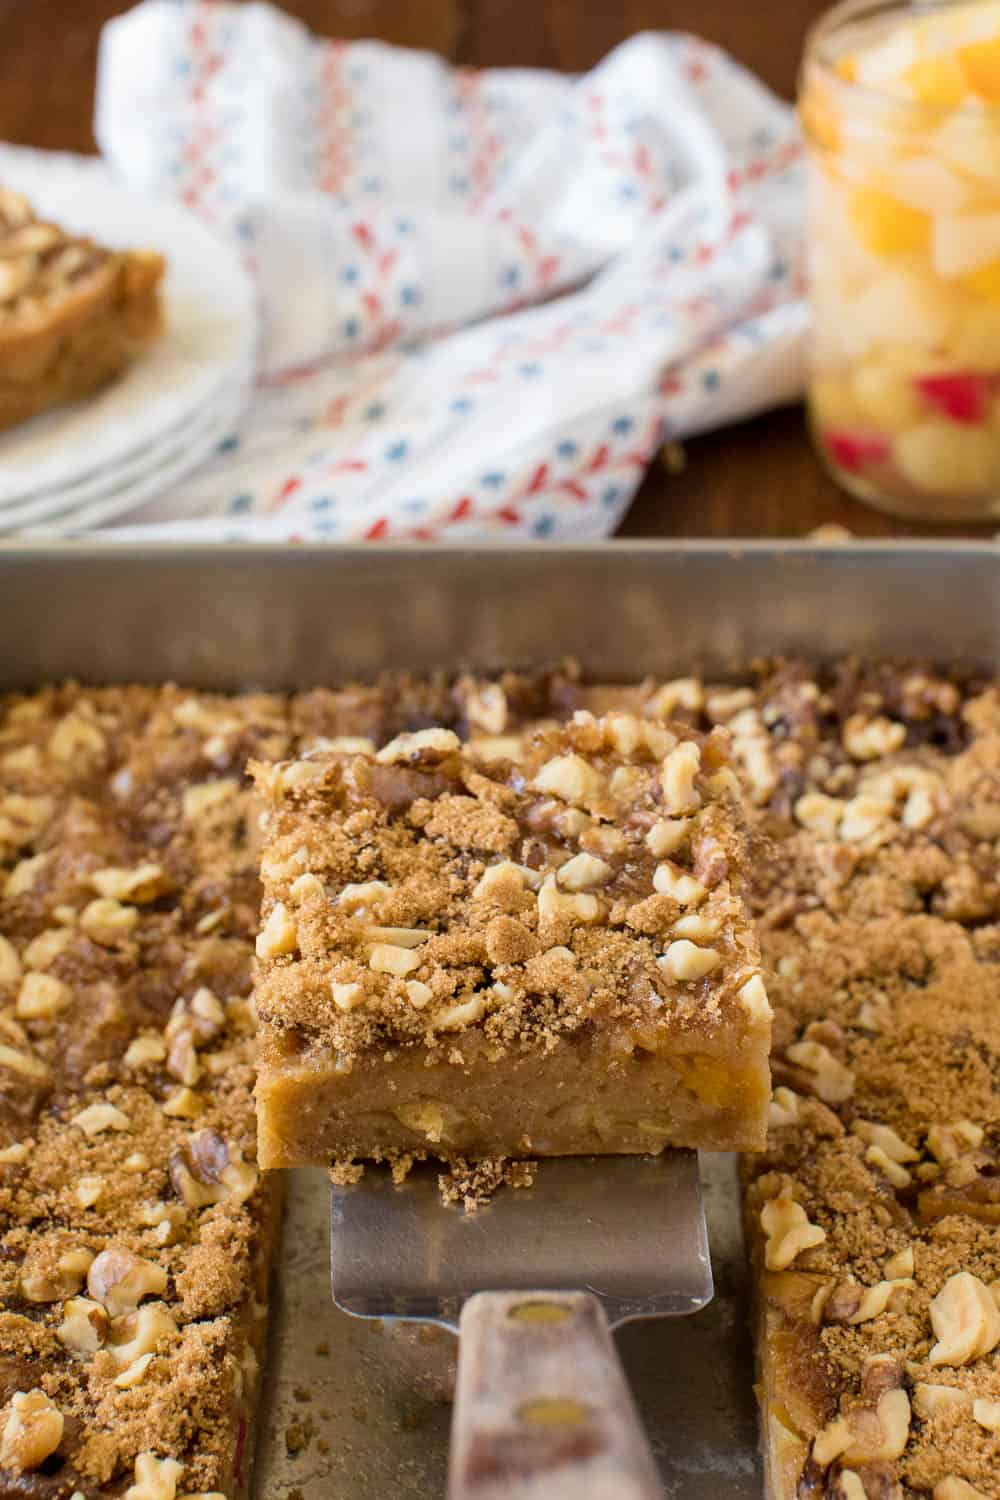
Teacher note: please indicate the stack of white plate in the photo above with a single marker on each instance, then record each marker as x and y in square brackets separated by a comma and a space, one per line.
[171, 411]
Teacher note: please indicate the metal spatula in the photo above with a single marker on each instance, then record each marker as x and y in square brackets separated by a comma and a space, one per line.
[534, 1283]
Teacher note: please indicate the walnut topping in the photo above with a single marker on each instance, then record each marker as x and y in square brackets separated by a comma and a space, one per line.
[784, 1108]
[987, 1414]
[279, 934]
[947, 1143]
[680, 770]
[697, 926]
[33, 1430]
[931, 1400]
[435, 744]
[684, 961]
[819, 813]
[138, 1333]
[788, 1232]
[24, 874]
[388, 958]
[198, 799]
[866, 817]
[155, 1478]
[965, 1319]
[208, 1170]
[144, 1051]
[74, 736]
[569, 777]
[667, 836]
[870, 739]
[876, 1299]
[849, 1486]
[46, 948]
[347, 996]
[554, 904]
[88, 1191]
[107, 921]
[120, 1280]
[307, 887]
[97, 1118]
[25, 1063]
[41, 996]
[583, 871]
[135, 1373]
[683, 692]
[418, 994]
[183, 1103]
[897, 1175]
[953, 1488]
[356, 897]
[10, 964]
[900, 1264]
[753, 997]
[886, 1139]
[143, 884]
[831, 1079]
[671, 881]
[84, 1326]
[15, 1154]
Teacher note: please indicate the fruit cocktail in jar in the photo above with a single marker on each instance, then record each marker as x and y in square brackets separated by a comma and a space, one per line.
[900, 105]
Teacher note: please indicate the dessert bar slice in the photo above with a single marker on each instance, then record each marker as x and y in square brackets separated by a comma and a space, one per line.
[483, 959]
[73, 315]
[135, 1229]
[874, 1216]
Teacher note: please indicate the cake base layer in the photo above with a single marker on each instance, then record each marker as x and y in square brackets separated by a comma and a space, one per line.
[707, 1099]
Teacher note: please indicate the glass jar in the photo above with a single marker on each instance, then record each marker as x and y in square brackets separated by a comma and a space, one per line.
[900, 105]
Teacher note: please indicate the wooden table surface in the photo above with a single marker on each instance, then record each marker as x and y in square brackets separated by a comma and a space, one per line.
[758, 479]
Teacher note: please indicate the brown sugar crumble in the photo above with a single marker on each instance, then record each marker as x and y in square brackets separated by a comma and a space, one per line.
[136, 1231]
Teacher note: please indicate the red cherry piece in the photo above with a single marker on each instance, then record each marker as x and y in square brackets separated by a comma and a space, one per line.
[962, 397]
[855, 451]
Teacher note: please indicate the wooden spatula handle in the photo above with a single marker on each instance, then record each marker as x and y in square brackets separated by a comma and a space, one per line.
[542, 1408]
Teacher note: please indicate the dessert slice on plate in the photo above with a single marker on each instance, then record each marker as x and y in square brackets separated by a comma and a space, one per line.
[73, 315]
[551, 956]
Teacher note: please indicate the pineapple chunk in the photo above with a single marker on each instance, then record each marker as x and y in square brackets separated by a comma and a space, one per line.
[984, 283]
[980, 62]
[951, 461]
[937, 81]
[921, 308]
[887, 226]
[885, 395]
[930, 186]
[973, 146]
[833, 402]
[964, 243]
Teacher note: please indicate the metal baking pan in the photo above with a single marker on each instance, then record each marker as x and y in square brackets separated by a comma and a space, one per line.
[348, 1410]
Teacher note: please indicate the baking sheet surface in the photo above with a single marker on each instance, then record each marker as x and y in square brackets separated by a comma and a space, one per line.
[354, 1408]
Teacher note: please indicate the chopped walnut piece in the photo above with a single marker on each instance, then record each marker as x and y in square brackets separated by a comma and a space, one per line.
[931, 1400]
[141, 885]
[886, 1139]
[33, 1430]
[107, 921]
[278, 934]
[788, 1232]
[25, 1063]
[120, 1280]
[987, 1414]
[953, 1488]
[784, 1108]
[570, 777]
[138, 1333]
[819, 813]
[966, 1319]
[184, 1103]
[46, 948]
[208, 1170]
[947, 1143]
[685, 961]
[667, 835]
[97, 1118]
[41, 996]
[583, 871]
[678, 776]
[144, 1051]
[84, 1326]
[135, 1373]
[10, 964]
[870, 739]
[832, 1080]
[155, 1478]
[198, 799]
[346, 996]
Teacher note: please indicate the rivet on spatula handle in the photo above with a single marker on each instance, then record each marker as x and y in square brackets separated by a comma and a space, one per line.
[542, 1408]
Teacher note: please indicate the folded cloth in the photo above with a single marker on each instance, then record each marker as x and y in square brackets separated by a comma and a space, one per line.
[487, 296]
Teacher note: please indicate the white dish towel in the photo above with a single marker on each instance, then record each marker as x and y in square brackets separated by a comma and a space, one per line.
[487, 296]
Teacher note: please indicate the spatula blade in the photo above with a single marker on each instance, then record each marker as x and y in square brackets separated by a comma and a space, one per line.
[630, 1229]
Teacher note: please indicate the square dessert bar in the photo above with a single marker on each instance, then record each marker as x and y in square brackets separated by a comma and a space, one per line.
[72, 313]
[548, 956]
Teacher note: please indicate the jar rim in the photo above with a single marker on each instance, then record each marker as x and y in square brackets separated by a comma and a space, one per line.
[818, 55]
